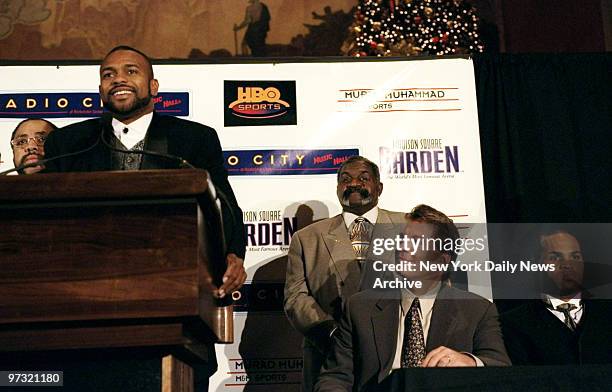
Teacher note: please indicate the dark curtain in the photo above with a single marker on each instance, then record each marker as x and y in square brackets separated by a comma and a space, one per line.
[545, 129]
[546, 140]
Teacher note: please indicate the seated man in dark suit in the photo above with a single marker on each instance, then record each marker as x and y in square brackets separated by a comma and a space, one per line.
[566, 326]
[434, 325]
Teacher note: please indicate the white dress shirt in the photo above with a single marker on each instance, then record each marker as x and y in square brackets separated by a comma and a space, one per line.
[371, 216]
[137, 130]
[575, 314]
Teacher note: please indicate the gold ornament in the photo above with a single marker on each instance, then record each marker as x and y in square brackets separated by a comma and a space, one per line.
[408, 1]
[380, 46]
[403, 48]
[357, 29]
[428, 11]
[376, 26]
[349, 47]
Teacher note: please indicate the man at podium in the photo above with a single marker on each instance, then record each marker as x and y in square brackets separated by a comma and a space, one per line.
[135, 137]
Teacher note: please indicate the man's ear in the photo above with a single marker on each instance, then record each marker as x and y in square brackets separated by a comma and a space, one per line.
[380, 188]
[154, 87]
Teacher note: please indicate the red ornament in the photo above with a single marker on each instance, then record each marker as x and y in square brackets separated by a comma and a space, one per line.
[373, 44]
[445, 37]
[435, 40]
[363, 54]
[417, 19]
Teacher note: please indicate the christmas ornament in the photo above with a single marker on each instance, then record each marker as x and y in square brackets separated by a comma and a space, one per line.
[413, 27]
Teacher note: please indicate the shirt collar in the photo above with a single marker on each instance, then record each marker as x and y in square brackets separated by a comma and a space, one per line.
[554, 301]
[425, 300]
[371, 216]
[137, 130]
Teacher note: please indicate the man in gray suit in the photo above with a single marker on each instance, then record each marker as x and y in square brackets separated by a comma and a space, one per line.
[326, 258]
[434, 325]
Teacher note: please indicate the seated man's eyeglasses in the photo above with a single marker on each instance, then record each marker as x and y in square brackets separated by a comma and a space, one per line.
[22, 142]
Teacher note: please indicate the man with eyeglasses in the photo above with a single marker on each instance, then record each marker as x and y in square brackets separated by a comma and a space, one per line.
[27, 142]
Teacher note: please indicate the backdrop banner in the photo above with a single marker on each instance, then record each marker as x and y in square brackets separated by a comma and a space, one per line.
[285, 128]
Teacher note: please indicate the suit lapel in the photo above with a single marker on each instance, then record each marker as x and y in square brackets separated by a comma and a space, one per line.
[383, 229]
[444, 319]
[156, 140]
[341, 251]
[385, 323]
[341, 254]
[382, 223]
[100, 158]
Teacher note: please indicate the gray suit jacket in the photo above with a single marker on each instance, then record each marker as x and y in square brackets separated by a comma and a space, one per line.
[365, 344]
[322, 272]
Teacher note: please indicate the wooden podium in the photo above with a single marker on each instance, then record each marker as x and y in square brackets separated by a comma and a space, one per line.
[111, 260]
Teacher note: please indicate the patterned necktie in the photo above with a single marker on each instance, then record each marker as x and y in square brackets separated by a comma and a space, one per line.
[566, 308]
[360, 238]
[413, 347]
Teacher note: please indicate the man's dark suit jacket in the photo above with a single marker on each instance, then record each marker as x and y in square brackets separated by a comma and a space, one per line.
[534, 336]
[366, 340]
[194, 142]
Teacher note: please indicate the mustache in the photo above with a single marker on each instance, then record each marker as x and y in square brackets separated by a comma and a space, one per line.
[350, 189]
[121, 87]
[25, 157]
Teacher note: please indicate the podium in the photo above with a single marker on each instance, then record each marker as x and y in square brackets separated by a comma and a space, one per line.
[111, 261]
[513, 378]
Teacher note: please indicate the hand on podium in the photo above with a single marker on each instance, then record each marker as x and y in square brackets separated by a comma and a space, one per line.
[234, 276]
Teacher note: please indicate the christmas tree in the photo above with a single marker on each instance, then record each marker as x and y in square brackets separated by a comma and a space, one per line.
[413, 27]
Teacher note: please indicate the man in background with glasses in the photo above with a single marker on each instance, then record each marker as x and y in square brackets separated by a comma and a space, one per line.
[28, 143]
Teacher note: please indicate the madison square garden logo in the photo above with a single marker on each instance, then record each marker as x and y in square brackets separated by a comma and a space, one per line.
[250, 103]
